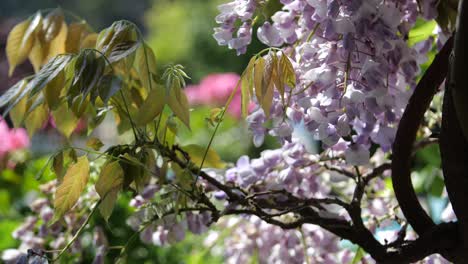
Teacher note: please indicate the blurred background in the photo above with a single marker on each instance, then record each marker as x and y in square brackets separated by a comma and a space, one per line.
[179, 31]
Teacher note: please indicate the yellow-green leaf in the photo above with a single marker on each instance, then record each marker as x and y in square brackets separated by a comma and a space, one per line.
[17, 46]
[180, 107]
[197, 152]
[110, 178]
[249, 74]
[89, 41]
[288, 75]
[18, 112]
[145, 65]
[245, 95]
[36, 119]
[267, 99]
[38, 53]
[53, 90]
[57, 45]
[152, 106]
[94, 143]
[73, 184]
[258, 78]
[65, 120]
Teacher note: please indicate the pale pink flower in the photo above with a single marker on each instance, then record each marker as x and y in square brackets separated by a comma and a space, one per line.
[215, 90]
[12, 139]
[19, 139]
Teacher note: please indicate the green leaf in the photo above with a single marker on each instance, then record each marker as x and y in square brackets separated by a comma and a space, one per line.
[180, 106]
[145, 65]
[358, 257]
[421, 32]
[94, 143]
[89, 69]
[197, 152]
[152, 106]
[73, 184]
[108, 86]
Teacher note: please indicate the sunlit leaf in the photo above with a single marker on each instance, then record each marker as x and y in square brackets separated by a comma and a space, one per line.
[70, 189]
[288, 75]
[358, 257]
[422, 31]
[76, 33]
[258, 78]
[38, 53]
[267, 87]
[122, 50]
[18, 45]
[65, 120]
[145, 64]
[40, 80]
[18, 113]
[180, 107]
[52, 24]
[36, 119]
[12, 93]
[119, 33]
[197, 152]
[57, 45]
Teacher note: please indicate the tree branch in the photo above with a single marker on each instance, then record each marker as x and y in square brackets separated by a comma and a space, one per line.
[406, 136]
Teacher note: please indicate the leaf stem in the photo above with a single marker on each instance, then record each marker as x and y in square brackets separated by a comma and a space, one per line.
[78, 233]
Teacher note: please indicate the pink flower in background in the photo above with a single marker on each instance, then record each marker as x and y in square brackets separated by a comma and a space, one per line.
[12, 139]
[215, 89]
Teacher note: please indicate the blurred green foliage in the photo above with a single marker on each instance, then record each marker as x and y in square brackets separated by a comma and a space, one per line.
[180, 31]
